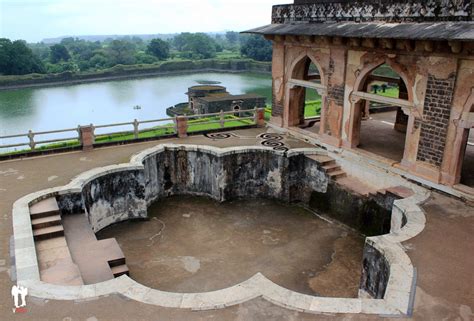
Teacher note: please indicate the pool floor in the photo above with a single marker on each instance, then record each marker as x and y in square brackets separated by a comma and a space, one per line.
[194, 244]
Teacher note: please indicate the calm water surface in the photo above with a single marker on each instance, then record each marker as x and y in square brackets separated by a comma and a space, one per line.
[51, 108]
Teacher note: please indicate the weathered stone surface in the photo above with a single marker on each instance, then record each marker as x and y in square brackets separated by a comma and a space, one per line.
[367, 214]
[236, 175]
[375, 272]
[70, 203]
[114, 197]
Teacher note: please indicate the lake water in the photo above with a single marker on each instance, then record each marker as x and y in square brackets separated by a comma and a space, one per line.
[62, 107]
[50, 108]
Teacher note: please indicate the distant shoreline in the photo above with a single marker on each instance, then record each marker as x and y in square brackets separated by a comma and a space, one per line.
[123, 72]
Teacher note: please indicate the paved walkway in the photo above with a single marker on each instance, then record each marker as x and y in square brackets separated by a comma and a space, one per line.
[442, 253]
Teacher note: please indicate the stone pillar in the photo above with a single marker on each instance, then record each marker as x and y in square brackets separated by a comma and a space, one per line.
[182, 126]
[278, 83]
[335, 97]
[401, 122]
[87, 137]
[260, 117]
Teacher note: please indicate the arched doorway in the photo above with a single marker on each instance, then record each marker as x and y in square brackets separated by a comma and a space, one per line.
[379, 104]
[306, 95]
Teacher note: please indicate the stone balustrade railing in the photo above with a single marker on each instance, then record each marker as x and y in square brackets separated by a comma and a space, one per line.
[86, 136]
[375, 10]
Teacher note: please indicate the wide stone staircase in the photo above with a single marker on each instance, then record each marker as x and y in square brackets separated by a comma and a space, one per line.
[336, 173]
[46, 220]
[329, 165]
[67, 250]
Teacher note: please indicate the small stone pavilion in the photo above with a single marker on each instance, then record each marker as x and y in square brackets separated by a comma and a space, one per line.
[207, 99]
[429, 44]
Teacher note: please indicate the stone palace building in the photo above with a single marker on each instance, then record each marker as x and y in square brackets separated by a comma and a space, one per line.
[428, 45]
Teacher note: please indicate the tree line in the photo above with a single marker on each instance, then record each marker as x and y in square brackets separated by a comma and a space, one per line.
[74, 54]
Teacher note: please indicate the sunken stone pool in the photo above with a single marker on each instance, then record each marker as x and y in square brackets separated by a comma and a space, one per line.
[195, 244]
[206, 228]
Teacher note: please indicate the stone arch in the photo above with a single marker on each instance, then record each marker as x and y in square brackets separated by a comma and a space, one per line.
[398, 68]
[295, 101]
[357, 106]
[298, 65]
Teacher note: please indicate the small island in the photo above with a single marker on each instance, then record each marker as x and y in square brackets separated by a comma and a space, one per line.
[205, 99]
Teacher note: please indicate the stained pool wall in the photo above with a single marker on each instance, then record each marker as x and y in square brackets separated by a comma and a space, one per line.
[237, 175]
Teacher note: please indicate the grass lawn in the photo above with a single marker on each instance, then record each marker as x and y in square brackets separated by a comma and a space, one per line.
[389, 92]
[312, 108]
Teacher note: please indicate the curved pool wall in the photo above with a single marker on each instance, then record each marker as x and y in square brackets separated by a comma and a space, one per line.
[123, 192]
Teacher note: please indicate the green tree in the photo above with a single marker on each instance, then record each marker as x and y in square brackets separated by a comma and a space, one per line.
[159, 48]
[62, 67]
[232, 36]
[181, 40]
[257, 48]
[16, 58]
[98, 61]
[196, 45]
[144, 58]
[120, 52]
[59, 53]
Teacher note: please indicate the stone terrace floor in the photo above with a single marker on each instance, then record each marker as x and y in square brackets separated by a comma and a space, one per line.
[442, 253]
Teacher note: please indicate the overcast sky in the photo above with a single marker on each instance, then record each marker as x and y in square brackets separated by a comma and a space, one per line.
[34, 20]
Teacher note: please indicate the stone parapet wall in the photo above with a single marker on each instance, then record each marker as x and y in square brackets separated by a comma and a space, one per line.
[114, 197]
[238, 175]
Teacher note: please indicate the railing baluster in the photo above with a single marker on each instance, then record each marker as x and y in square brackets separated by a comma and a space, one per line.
[135, 128]
[215, 118]
[31, 136]
[222, 118]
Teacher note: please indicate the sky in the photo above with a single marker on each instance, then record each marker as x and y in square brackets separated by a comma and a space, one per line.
[34, 20]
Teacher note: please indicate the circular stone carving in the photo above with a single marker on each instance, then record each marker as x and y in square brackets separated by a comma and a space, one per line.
[281, 148]
[217, 135]
[270, 136]
[272, 143]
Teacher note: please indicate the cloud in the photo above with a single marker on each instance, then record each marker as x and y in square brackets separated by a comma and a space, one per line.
[35, 20]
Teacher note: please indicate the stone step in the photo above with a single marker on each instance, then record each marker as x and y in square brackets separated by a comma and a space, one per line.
[117, 262]
[48, 232]
[400, 191]
[337, 174]
[378, 193]
[331, 168]
[322, 160]
[44, 208]
[120, 270]
[47, 221]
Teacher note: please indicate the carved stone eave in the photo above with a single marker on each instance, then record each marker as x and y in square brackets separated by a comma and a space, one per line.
[395, 11]
[456, 46]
